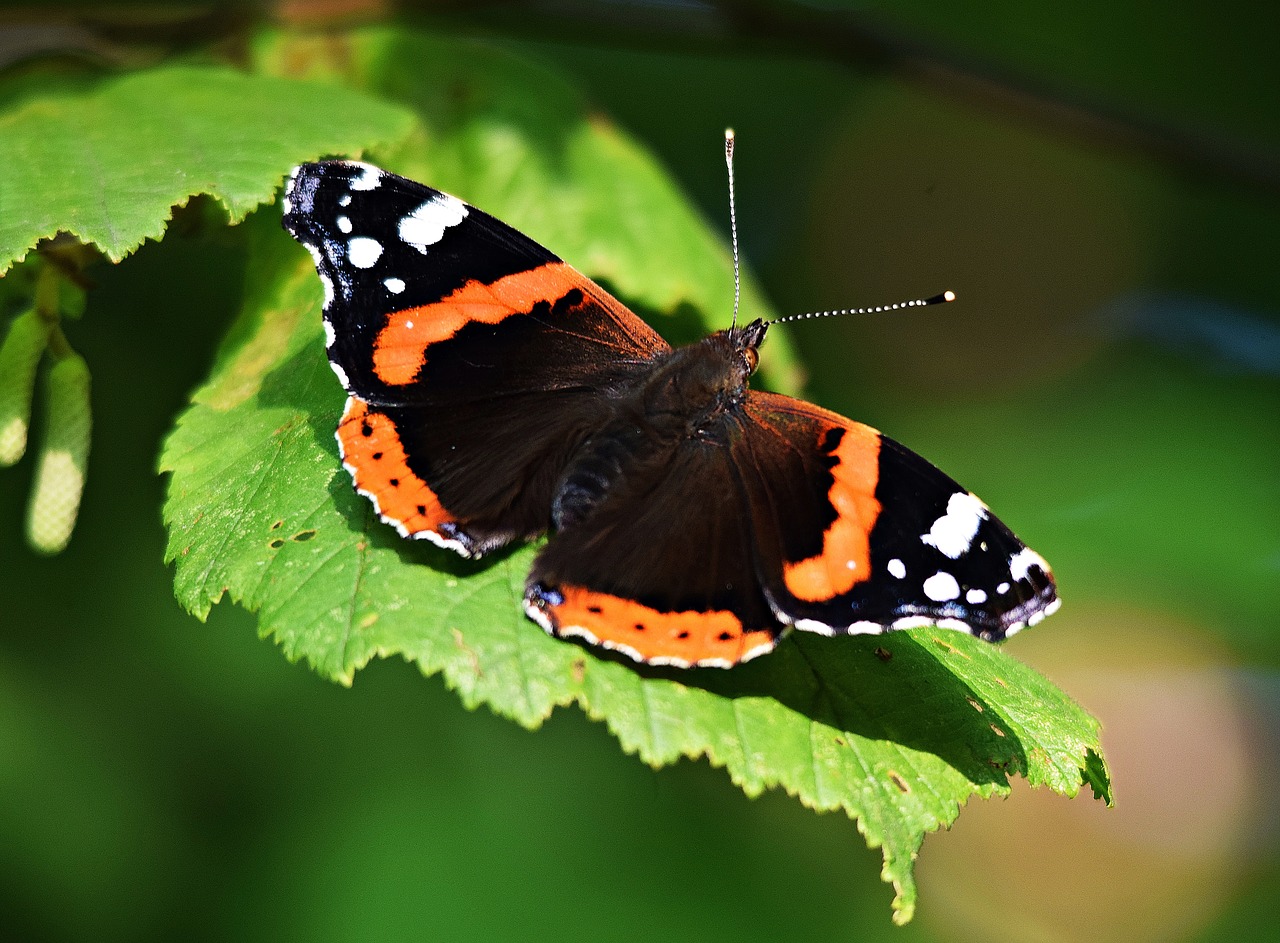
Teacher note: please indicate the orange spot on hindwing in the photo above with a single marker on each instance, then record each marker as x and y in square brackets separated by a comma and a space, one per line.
[372, 451]
[845, 558]
[400, 350]
[650, 635]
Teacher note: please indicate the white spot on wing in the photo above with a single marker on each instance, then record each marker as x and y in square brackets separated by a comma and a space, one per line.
[329, 334]
[821, 628]
[954, 531]
[975, 597]
[941, 587]
[911, 622]
[344, 200]
[757, 651]
[425, 226]
[537, 615]
[344, 224]
[318, 257]
[1002, 588]
[363, 252]
[671, 661]
[393, 285]
[577, 631]
[369, 178]
[439, 540]
[814, 626]
[897, 568]
[342, 375]
[1022, 561]
[623, 648]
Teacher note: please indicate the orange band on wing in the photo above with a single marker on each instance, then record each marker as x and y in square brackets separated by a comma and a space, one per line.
[401, 347]
[680, 638]
[845, 559]
[372, 450]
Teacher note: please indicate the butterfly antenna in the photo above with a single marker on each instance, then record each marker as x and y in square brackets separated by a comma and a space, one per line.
[942, 298]
[733, 224]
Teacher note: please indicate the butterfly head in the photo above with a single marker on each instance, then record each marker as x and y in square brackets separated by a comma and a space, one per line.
[726, 361]
[745, 343]
[699, 382]
[731, 357]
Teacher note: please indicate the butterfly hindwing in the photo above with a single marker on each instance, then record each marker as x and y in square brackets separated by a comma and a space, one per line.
[662, 568]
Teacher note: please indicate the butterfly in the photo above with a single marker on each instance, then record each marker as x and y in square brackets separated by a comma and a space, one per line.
[495, 394]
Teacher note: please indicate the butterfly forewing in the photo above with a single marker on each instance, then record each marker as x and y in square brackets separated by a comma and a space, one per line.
[475, 358]
[856, 533]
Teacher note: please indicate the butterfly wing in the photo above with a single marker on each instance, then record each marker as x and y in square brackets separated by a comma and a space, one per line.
[662, 569]
[856, 533]
[475, 359]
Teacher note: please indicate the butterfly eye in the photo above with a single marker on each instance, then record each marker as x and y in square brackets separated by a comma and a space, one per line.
[751, 358]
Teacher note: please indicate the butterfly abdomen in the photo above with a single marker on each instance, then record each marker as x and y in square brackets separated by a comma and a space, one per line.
[602, 461]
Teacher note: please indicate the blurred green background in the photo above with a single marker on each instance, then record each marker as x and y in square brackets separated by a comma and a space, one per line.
[1099, 183]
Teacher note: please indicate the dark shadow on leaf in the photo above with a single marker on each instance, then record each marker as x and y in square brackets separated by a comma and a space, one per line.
[909, 698]
[361, 519]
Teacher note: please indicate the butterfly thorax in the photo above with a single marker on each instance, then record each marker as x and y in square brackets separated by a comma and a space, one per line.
[685, 398]
[687, 395]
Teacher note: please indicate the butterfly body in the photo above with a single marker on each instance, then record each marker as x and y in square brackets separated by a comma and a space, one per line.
[496, 394]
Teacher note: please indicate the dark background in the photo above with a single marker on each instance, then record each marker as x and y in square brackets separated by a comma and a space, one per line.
[1100, 184]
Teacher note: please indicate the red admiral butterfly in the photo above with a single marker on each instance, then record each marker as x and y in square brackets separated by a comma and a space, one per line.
[495, 394]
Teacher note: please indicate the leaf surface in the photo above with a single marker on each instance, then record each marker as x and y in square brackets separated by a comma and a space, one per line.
[107, 160]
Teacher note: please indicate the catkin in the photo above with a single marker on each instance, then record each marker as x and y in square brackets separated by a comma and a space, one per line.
[20, 355]
[64, 454]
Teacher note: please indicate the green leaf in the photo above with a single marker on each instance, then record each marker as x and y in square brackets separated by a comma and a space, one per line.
[107, 161]
[896, 731]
